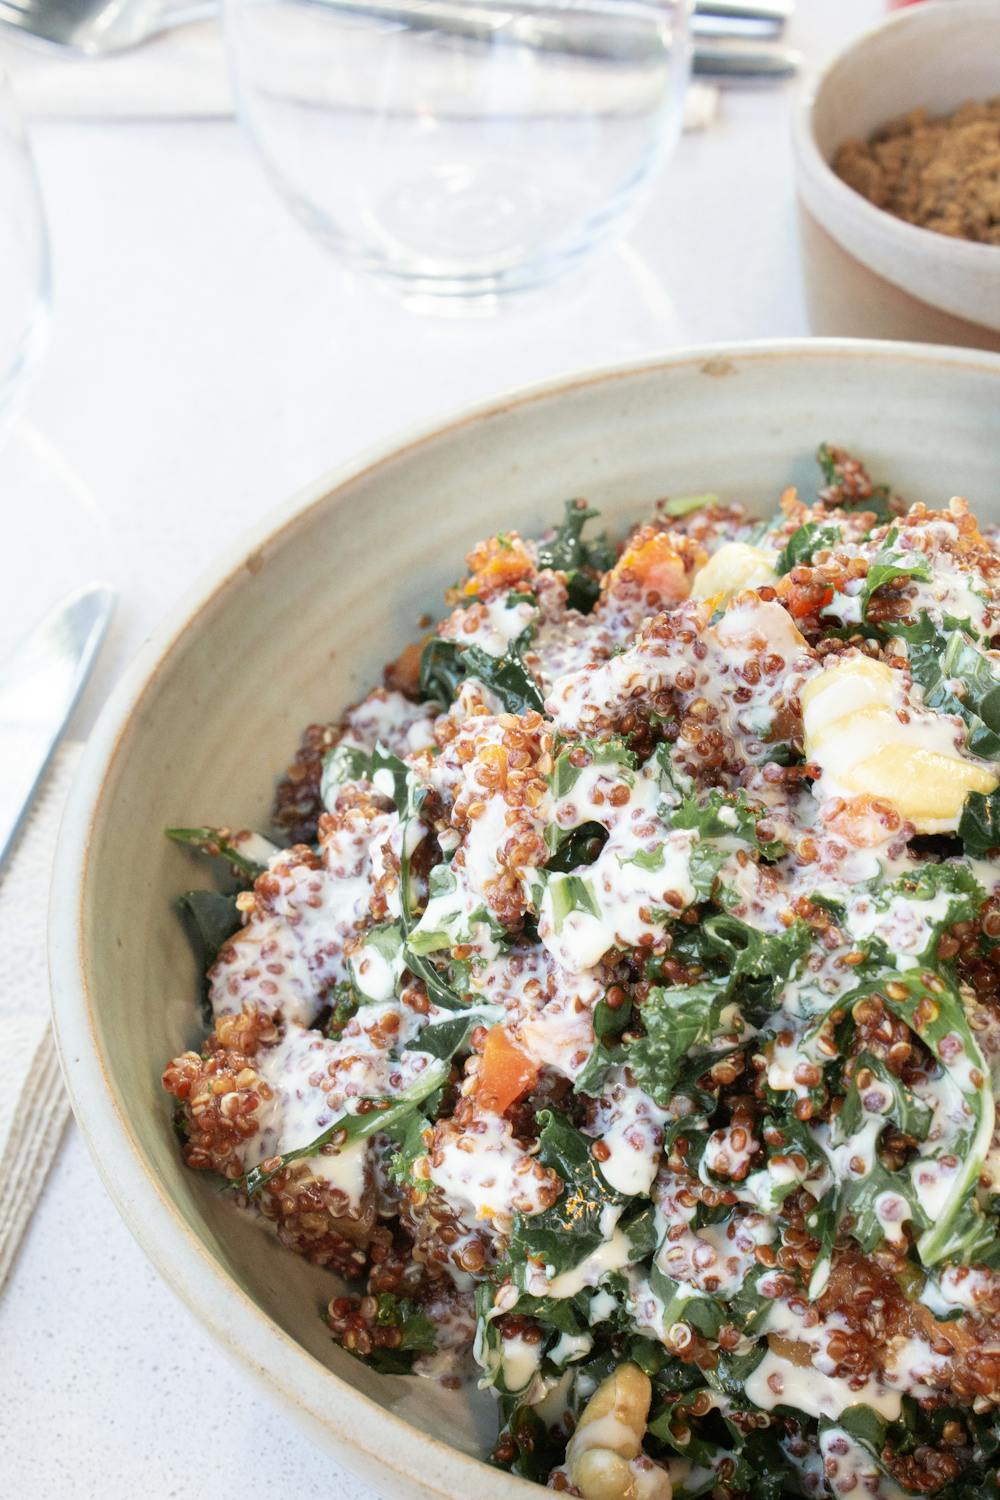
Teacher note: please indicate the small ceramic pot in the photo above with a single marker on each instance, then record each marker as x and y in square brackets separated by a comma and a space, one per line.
[867, 273]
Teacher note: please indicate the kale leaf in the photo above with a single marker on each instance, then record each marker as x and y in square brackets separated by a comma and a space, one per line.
[609, 1024]
[444, 1038]
[676, 1020]
[567, 552]
[859, 1197]
[749, 953]
[215, 841]
[888, 564]
[932, 1007]
[575, 847]
[567, 770]
[384, 1114]
[537, 1448]
[418, 1334]
[210, 919]
[878, 502]
[506, 676]
[937, 657]
[802, 545]
[569, 1231]
[444, 666]
[979, 824]
[410, 1140]
[717, 819]
[344, 1004]
[902, 1106]
[441, 671]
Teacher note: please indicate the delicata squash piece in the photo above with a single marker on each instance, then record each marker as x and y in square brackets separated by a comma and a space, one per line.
[500, 562]
[505, 1072]
[734, 567]
[854, 733]
[660, 562]
[604, 1456]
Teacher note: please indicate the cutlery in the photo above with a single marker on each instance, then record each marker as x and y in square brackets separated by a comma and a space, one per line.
[737, 59]
[597, 30]
[775, 12]
[40, 682]
[96, 27]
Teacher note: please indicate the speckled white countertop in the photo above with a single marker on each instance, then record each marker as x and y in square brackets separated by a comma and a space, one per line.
[207, 359]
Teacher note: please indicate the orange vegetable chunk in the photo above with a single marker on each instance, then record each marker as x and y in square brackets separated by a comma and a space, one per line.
[505, 1072]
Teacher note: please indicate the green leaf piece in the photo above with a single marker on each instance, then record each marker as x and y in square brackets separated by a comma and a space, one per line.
[418, 1335]
[506, 676]
[441, 671]
[802, 546]
[684, 505]
[573, 759]
[444, 1038]
[939, 656]
[979, 823]
[215, 841]
[889, 564]
[580, 560]
[210, 920]
[900, 1105]
[569, 1231]
[676, 1020]
[384, 1114]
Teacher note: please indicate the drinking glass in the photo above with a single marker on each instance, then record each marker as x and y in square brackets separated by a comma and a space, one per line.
[24, 259]
[461, 148]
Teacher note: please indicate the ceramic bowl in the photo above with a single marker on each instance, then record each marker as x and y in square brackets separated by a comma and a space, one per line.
[867, 272]
[290, 628]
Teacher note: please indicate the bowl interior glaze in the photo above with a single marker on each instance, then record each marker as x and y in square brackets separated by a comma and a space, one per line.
[291, 629]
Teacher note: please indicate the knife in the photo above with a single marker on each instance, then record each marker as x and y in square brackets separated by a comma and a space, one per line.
[40, 682]
[593, 30]
[738, 59]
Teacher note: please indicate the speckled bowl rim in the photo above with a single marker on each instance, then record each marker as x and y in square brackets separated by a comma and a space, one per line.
[291, 1375]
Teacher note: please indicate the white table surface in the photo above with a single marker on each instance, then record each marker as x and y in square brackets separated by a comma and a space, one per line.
[207, 359]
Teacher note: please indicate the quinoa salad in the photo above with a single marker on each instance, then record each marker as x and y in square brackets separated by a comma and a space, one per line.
[614, 1009]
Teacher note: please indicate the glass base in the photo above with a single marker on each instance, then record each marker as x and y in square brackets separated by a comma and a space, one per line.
[434, 257]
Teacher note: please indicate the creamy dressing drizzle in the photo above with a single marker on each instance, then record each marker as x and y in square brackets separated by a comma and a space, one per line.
[315, 931]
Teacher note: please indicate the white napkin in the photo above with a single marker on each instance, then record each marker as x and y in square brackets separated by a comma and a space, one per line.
[180, 74]
[33, 1102]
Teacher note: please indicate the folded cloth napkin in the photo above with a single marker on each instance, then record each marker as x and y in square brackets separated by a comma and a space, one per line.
[180, 74]
[33, 1102]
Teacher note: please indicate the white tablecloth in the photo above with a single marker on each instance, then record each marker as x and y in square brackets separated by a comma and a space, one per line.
[207, 359]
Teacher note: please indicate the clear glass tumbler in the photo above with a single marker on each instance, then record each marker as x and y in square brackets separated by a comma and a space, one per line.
[24, 261]
[461, 148]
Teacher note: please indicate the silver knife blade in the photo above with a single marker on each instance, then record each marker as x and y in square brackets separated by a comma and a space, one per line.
[709, 24]
[592, 30]
[761, 61]
[777, 11]
[40, 682]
